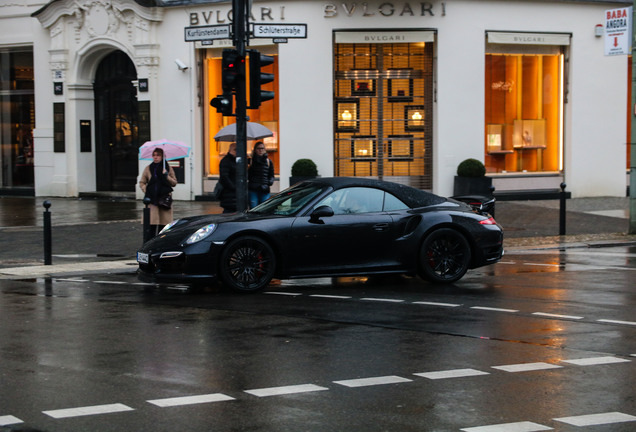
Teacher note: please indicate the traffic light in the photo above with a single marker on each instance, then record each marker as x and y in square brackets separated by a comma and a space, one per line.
[223, 104]
[230, 70]
[258, 78]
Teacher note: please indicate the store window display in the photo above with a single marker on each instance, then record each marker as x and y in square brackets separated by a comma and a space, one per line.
[524, 109]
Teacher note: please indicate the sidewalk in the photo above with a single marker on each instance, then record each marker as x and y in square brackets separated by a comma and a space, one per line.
[102, 235]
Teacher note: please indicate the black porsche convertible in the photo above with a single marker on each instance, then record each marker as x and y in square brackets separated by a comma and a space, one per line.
[326, 227]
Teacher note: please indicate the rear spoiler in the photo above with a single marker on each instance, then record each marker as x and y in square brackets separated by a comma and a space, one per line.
[479, 203]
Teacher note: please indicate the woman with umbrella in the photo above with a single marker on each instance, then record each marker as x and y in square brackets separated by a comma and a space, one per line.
[157, 181]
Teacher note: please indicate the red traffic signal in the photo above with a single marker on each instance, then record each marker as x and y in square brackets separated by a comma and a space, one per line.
[231, 70]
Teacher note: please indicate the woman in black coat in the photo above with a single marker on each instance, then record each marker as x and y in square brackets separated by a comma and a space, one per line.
[260, 175]
[227, 178]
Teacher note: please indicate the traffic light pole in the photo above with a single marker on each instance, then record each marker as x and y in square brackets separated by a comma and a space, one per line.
[240, 31]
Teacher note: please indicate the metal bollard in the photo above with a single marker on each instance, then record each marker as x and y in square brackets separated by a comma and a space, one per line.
[146, 217]
[562, 210]
[492, 195]
[47, 233]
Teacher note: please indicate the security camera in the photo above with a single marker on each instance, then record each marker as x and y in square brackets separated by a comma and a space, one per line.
[181, 65]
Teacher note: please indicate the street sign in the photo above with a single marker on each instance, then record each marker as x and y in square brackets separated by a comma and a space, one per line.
[206, 33]
[279, 31]
[618, 31]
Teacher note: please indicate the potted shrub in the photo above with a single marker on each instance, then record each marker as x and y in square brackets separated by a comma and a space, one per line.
[303, 169]
[471, 179]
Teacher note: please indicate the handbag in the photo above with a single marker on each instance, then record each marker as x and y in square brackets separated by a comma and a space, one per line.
[218, 190]
[165, 202]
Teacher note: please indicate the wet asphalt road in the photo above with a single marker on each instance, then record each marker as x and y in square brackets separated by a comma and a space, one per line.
[546, 339]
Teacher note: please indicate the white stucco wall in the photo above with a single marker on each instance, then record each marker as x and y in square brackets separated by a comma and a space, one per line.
[595, 118]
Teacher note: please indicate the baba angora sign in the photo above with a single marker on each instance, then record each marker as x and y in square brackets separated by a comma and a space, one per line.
[618, 31]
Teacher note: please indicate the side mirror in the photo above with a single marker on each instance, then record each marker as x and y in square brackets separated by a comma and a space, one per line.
[320, 212]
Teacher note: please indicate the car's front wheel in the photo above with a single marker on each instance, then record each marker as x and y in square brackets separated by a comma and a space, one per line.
[444, 256]
[247, 264]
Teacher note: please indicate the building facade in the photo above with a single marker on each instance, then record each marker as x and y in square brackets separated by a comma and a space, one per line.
[402, 91]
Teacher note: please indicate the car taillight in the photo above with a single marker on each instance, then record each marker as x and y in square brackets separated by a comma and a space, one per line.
[489, 221]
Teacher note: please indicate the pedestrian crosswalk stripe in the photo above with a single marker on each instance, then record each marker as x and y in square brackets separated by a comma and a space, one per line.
[9, 420]
[509, 427]
[278, 391]
[616, 322]
[454, 373]
[597, 419]
[364, 382]
[437, 304]
[550, 315]
[596, 361]
[190, 400]
[88, 410]
[494, 309]
[382, 300]
[526, 367]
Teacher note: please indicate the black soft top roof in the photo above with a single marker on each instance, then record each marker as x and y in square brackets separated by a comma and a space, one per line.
[408, 195]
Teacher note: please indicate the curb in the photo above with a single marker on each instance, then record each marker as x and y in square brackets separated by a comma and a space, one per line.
[28, 272]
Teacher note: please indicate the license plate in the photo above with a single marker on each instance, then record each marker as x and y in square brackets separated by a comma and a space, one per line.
[142, 257]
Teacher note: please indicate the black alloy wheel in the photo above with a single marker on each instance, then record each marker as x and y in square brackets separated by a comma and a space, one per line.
[444, 256]
[247, 264]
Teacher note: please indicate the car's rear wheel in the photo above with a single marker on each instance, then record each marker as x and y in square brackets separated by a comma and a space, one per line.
[444, 256]
[247, 264]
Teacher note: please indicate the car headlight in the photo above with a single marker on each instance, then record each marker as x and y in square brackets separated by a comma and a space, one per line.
[170, 225]
[201, 233]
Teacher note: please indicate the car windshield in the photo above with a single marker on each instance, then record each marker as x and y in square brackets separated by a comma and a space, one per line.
[289, 201]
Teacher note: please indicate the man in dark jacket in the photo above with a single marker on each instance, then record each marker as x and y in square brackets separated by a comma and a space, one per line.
[227, 178]
[260, 175]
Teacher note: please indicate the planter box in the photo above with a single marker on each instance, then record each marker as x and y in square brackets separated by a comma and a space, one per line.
[472, 186]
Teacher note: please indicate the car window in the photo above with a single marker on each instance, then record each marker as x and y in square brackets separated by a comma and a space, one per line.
[288, 201]
[392, 203]
[354, 200]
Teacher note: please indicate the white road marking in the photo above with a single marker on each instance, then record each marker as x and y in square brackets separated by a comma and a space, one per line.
[382, 300]
[88, 410]
[509, 427]
[545, 314]
[494, 309]
[110, 282]
[364, 382]
[437, 304]
[597, 419]
[282, 293]
[190, 400]
[453, 373]
[596, 361]
[330, 296]
[71, 280]
[616, 322]
[9, 420]
[277, 391]
[526, 367]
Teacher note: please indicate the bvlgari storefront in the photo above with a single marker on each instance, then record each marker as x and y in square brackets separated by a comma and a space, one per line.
[398, 91]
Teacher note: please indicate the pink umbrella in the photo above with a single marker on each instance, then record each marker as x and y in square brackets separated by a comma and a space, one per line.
[171, 149]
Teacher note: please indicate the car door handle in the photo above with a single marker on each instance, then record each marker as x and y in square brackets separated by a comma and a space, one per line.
[381, 227]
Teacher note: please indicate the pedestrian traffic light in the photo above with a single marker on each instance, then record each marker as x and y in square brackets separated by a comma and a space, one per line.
[258, 78]
[230, 70]
[223, 104]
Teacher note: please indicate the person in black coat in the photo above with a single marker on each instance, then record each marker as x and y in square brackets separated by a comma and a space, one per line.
[260, 175]
[227, 178]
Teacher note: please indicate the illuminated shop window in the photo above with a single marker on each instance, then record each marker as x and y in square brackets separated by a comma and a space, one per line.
[524, 109]
[266, 114]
